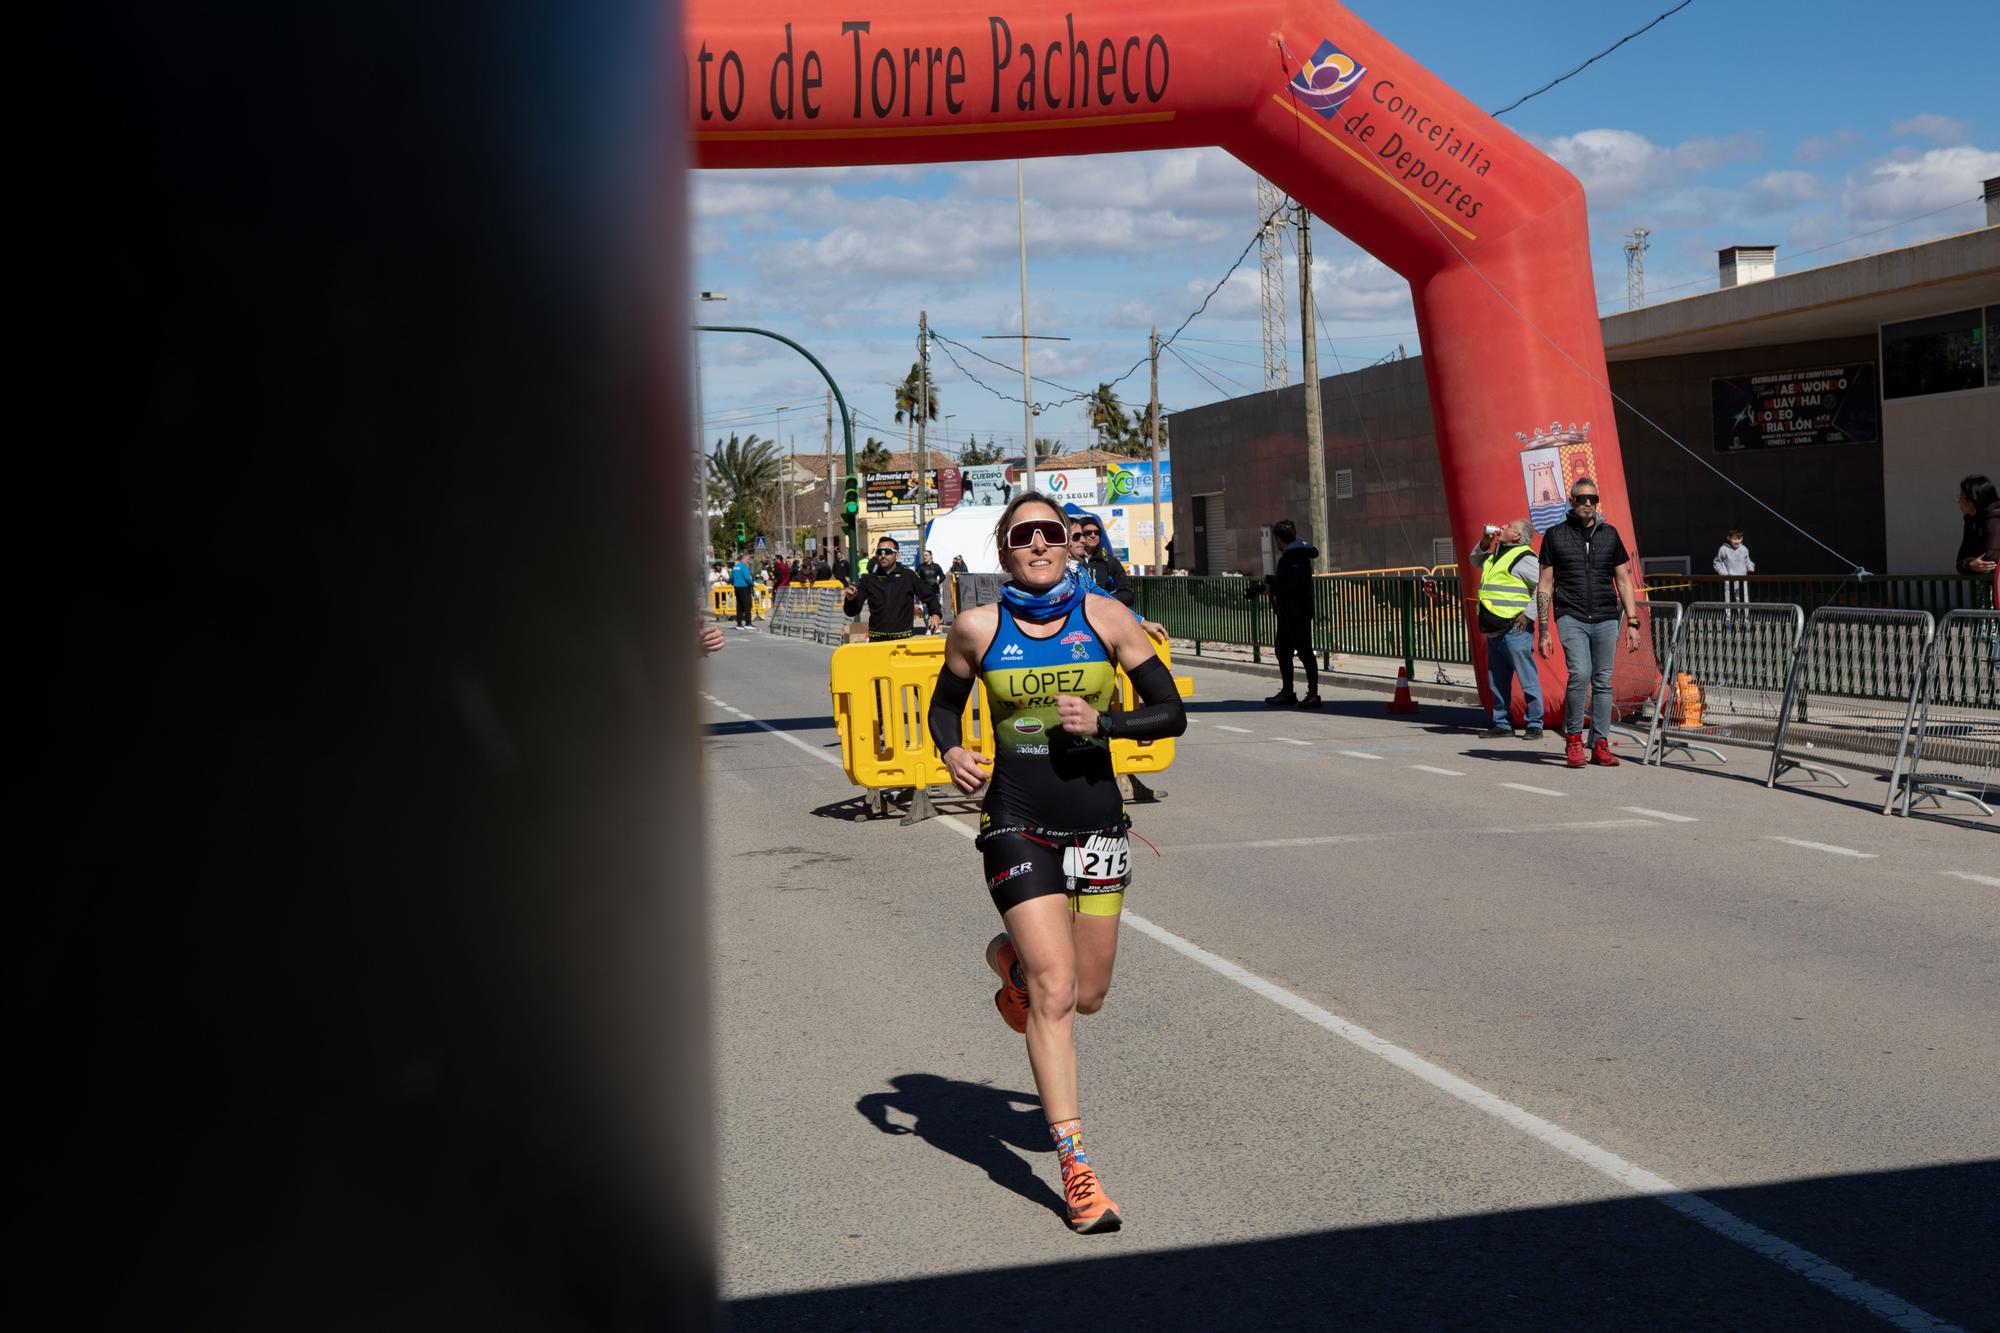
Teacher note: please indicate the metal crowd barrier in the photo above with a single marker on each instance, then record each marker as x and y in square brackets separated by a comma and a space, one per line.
[1851, 695]
[1955, 749]
[1740, 655]
[881, 702]
[1633, 702]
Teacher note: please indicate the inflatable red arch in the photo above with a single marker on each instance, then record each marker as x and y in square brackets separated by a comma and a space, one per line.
[1489, 232]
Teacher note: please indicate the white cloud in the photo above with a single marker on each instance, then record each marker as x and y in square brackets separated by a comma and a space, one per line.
[1938, 129]
[1778, 192]
[1617, 166]
[1907, 183]
[1818, 147]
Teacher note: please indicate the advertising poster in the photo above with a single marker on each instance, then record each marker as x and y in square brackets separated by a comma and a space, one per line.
[1075, 486]
[987, 484]
[1118, 533]
[1790, 408]
[1132, 483]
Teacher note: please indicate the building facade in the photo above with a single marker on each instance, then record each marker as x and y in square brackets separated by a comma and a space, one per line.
[1849, 398]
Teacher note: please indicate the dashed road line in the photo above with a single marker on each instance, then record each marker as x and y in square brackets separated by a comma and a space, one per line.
[1823, 847]
[1340, 839]
[1241, 731]
[1358, 754]
[1989, 881]
[1287, 740]
[1660, 814]
[783, 736]
[1443, 772]
[1539, 791]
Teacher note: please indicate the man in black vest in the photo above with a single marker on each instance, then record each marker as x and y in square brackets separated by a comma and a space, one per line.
[1585, 590]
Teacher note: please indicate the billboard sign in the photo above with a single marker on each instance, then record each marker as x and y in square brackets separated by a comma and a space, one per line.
[988, 484]
[1132, 483]
[1076, 486]
[1790, 408]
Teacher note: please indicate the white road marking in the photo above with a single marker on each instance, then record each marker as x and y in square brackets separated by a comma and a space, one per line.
[1287, 740]
[1539, 791]
[1660, 814]
[1241, 731]
[1336, 839]
[1988, 880]
[1824, 847]
[786, 737]
[1820, 1272]
[1446, 772]
[1358, 754]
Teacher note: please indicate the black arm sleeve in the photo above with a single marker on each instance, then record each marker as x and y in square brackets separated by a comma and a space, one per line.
[948, 706]
[1160, 714]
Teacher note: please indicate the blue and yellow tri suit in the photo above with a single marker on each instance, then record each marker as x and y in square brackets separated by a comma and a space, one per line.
[1053, 821]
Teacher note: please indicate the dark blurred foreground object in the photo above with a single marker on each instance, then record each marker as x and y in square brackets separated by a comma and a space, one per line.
[358, 983]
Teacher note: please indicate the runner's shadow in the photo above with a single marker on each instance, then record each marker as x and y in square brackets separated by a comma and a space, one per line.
[974, 1122]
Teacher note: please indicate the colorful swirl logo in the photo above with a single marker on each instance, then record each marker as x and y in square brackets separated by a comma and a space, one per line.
[1327, 80]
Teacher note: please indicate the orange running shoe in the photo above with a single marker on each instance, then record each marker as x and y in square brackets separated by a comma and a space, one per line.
[1090, 1208]
[1012, 997]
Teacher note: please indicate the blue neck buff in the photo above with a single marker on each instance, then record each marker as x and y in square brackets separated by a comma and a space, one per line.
[1060, 600]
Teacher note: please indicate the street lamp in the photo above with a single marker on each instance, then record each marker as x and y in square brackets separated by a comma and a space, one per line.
[701, 548]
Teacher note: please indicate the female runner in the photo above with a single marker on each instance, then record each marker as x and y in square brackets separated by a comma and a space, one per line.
[1053, 827]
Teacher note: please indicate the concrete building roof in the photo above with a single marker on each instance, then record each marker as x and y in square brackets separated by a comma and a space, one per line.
[901, 460]
[1832, 301]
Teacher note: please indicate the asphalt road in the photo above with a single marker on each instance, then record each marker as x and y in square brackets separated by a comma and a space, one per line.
[1409, 1029]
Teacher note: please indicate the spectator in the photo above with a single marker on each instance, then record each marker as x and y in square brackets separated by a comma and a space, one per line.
[891, 592]
[1733, 562]
[1586, 583]
[1105, 570]
[823, 571]
[1291, 590]
[741, 579]
[1507, 581]
[1173, 563]
[781, 573]
[958, 565]
[1979, 502]
[930, 574]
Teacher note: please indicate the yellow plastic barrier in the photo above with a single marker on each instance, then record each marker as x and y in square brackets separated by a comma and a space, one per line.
[882, 698]
[722, 601]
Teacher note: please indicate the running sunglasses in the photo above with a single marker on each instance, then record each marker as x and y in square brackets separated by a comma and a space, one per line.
[1022, 535]
[1585, 499]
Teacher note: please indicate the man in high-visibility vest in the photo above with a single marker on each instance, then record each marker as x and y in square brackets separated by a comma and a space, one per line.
[1507, 577]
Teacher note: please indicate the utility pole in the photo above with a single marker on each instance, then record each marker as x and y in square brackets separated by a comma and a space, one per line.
[781, 474]
[1635, 268]
[923, 411]
[1153, 430]
[826, 503]
[1027, 380]
[1315, 428]
[1270, 268]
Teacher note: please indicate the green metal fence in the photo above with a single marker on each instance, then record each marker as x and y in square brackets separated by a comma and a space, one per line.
[1415, 617]
[1422, 617]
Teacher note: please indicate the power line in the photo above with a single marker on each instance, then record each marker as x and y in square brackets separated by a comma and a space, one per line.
[1594, 59]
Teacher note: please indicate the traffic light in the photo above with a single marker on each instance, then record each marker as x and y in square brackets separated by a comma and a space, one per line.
[851, 499]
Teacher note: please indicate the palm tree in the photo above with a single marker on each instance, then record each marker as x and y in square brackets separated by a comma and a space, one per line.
[743, 475]
[1140, 436]
[873, 458]
[975, 453]
[907, 394]
[1107, 416]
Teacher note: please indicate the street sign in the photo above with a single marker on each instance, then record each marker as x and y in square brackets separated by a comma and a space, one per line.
[762, 545]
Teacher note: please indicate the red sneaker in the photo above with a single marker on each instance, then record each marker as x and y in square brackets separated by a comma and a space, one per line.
[1012, 997]
[1090, 1208]
[1573, 750]
[1601, 754]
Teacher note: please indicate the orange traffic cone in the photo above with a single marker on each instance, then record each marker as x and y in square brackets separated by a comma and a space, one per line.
[1402, 703]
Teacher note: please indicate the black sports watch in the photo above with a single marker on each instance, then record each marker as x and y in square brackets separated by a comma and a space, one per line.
[1632, 621]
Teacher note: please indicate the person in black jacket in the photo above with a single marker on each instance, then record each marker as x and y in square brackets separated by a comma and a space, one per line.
[892, 593]
[1979, 502]
[931, 575]
[1104, 568]
[1291, 590]
[1584, 591]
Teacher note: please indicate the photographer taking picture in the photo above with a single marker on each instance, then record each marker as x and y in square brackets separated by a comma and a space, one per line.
[892, 592]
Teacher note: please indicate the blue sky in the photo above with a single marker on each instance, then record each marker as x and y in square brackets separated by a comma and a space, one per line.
[1786, 123]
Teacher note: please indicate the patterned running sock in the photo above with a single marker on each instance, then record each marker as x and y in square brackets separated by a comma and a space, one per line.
[1068, 1135]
